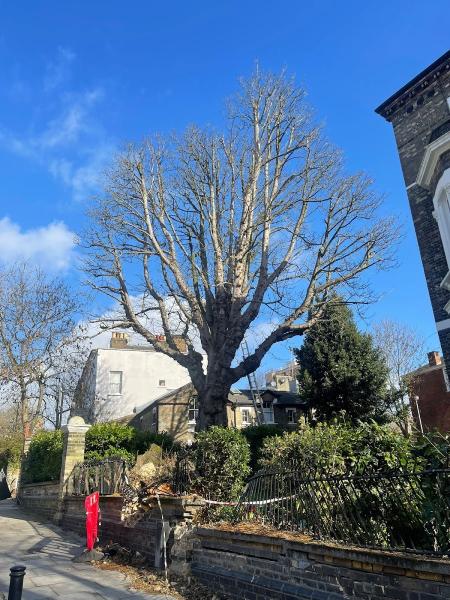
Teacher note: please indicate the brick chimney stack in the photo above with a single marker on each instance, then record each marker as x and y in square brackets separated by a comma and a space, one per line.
[119, 339]
[434, 358]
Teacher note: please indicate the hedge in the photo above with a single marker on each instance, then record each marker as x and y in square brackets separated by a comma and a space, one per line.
[43, 462]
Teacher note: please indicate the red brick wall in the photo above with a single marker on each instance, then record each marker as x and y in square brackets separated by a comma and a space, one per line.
[434, 400]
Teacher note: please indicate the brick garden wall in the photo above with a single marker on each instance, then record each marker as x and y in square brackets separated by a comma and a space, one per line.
[40, 498]
[253, 567]
[143, 534]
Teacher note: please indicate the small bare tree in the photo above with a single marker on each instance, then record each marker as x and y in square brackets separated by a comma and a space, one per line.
[403, 349]
[219, 232]
[36, 325]
[63, 376]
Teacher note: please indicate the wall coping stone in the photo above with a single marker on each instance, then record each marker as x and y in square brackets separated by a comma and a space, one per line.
[40, 483]
[357, 558]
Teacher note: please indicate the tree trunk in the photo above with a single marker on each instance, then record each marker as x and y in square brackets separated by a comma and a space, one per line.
[212, 403]
[25, 414]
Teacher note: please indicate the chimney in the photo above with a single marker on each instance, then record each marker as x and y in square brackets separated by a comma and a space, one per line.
[119, 339]
[434, 359]
[180, 343]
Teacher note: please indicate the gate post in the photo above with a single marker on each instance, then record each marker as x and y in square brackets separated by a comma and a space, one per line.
[73, 453]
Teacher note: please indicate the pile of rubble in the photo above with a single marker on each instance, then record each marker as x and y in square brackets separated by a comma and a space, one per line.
[147, 479]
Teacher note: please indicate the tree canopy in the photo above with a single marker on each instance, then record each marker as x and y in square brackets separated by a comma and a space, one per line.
[340, 369]
[209, 233]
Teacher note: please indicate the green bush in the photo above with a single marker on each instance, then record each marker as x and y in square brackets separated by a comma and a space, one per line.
[221, 457]
[433, 449]
[10, 450]
[115, 439]
[43, 462]
[255, 436]
[110, 439]
[338, 448]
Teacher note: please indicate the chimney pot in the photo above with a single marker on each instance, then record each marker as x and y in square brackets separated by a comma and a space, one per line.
[434, 358]
[119, 339]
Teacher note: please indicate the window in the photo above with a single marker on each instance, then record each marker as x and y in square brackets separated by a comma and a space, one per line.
[291, 416]
[115, 383]
[268, 411]
[154, 418]
[162, 383]
[246, 417]
[441, 202]
[193, 409]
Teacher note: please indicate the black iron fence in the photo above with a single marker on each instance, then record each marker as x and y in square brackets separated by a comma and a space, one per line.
[183, 474]
[107, 476]
[401, 509]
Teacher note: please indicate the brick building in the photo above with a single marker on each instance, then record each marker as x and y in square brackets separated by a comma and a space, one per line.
[176, 412]
[429, 398]
[420, 115]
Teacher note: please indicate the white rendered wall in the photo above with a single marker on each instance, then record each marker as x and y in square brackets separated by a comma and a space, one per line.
[141, 373]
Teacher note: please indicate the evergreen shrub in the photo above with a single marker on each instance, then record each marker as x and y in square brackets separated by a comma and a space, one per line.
[337, 448]
[255, 435]
[222, 461]
[10, 451]
[115, 439]
[44, 458]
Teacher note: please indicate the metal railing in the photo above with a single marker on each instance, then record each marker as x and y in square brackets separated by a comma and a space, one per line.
[183, 474]
[401, 509]
[107, 476]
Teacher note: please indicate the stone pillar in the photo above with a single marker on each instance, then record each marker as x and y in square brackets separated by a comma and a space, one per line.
[73, 454]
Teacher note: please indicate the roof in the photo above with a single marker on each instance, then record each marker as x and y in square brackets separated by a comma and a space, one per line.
[287, 398]
[417, 84]
[240, 397]
[244, 397]
[425, 369]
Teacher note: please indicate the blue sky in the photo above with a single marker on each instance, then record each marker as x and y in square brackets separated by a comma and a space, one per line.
[79, 79]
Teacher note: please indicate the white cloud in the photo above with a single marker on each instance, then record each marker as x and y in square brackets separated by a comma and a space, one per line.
[69, 142]
[86, 177]
[51, 246]
[58, 70]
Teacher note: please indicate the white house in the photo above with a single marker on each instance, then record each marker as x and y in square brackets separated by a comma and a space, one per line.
[122, 379]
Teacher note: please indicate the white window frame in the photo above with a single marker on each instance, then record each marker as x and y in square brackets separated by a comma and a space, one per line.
[193, 410]
[268, 412]
[246, 420]
[291, 412]
[441, 203]
[119, 383]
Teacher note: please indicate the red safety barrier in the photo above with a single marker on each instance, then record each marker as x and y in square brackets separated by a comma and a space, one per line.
[91, 505]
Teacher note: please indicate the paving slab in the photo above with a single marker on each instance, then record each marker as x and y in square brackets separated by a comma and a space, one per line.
[47, 553]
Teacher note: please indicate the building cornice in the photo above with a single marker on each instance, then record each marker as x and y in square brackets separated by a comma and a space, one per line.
[414, 87]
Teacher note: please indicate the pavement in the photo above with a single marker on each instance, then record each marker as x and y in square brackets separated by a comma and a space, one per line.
[47, 553]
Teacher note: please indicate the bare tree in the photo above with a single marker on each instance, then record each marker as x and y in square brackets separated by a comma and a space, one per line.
[217, 232]
[36, 327]
[62, 379]
[403, 349]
